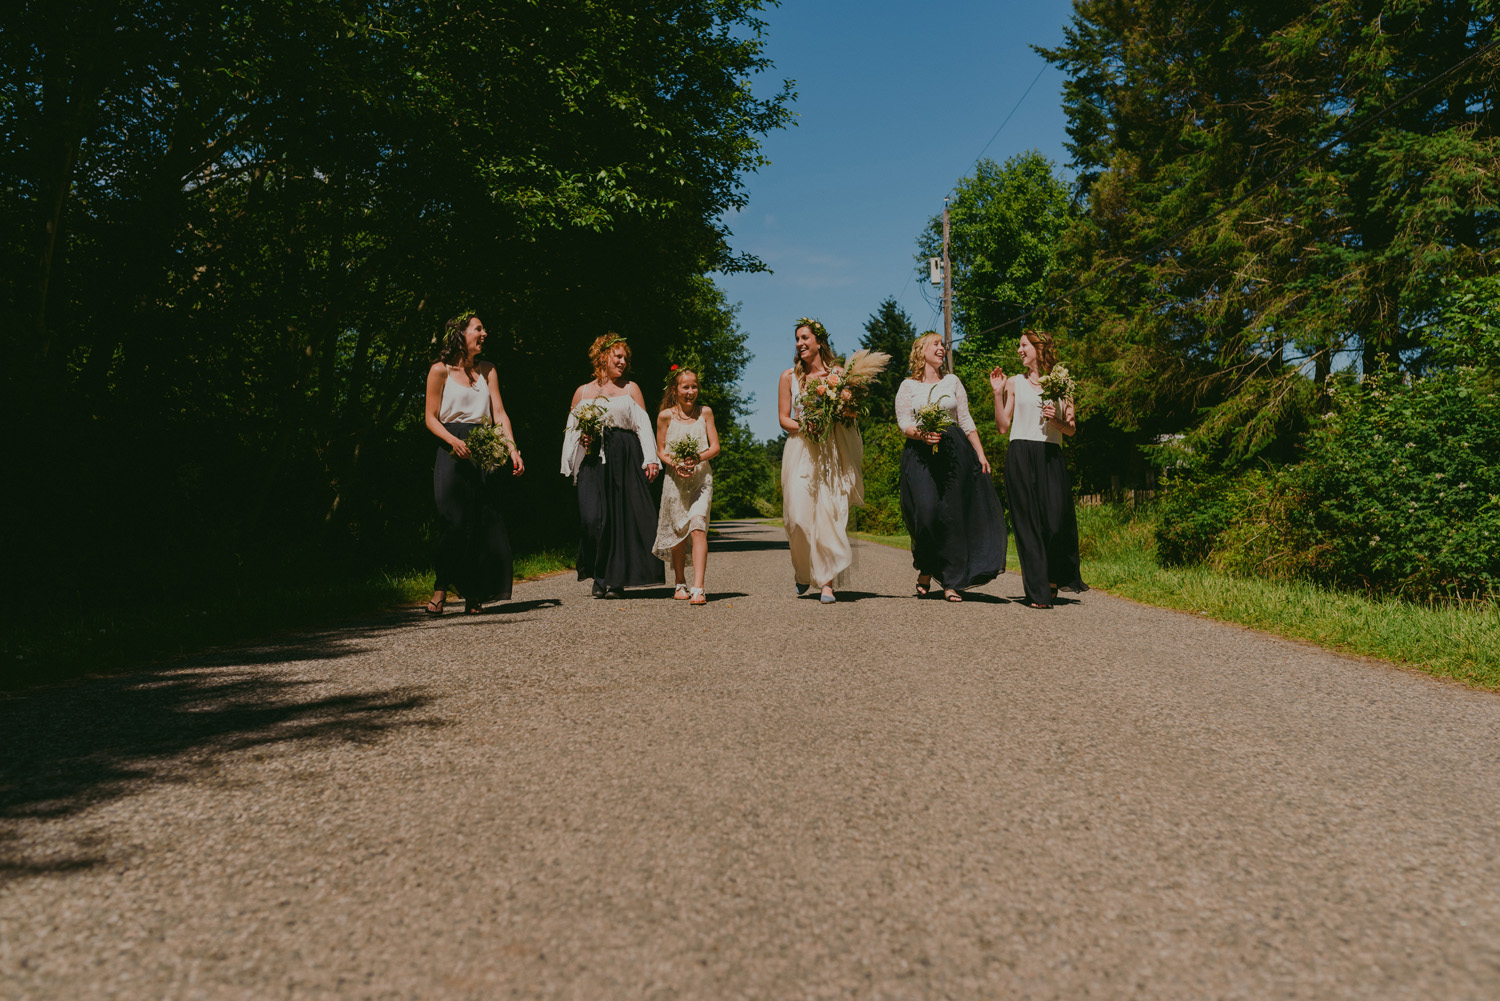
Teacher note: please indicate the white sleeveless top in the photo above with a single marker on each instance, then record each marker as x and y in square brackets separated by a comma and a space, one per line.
[465, 404]
[1026, 420]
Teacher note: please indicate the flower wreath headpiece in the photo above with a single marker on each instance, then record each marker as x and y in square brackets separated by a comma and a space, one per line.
[616, 339]
[690, 363]
[819, 331]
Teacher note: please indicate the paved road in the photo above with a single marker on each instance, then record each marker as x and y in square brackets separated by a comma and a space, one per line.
[759, 798]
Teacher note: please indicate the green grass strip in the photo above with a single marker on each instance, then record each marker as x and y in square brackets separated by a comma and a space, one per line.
[1447, 640]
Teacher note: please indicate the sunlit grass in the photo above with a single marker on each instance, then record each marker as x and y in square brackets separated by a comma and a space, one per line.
[1449, 640]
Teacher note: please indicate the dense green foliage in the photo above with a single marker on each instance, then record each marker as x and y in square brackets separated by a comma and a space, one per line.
[888, 329]
[1398, 492]
[1005, 224]
[232, 234]
[1227, 330]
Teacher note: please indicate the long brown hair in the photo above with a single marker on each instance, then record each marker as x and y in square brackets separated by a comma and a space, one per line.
[669, 395]
[455, 344]
[824, 351]
[918, 347]
[601, 347]
[1046, 355]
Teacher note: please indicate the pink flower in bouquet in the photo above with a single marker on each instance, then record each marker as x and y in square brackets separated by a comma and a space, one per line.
[844, 394]
[820, 389]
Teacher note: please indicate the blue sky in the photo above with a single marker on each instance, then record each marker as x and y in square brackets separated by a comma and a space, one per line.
[895, 102]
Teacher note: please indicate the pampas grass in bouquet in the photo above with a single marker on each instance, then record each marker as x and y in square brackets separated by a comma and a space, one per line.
[840, 396]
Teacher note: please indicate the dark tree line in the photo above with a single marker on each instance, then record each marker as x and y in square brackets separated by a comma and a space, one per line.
[231, 235]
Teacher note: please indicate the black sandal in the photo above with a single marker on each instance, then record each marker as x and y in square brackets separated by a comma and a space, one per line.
[435, 608]
[923, 589]
[951, 595]
[473, 608]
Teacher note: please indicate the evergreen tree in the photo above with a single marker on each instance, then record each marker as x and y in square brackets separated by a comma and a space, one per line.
[1178, 119]
[888, 329]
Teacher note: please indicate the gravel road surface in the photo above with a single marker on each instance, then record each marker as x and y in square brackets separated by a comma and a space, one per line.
[763, 797]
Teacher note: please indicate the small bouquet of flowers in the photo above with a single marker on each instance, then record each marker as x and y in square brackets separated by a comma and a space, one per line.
[839, 397]
[590, 418]
[683, 450]
[933, 417]
[1057, 385]
[489, 449]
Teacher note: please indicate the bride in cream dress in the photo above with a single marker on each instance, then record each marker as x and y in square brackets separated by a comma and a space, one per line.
[819, 481]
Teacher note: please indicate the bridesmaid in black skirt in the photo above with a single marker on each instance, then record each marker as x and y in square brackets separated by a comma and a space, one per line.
[948, 501]
[616, 513]
[473, 547]
[1037, 487]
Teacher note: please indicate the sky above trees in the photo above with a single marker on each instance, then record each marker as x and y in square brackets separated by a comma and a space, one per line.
[894, 106]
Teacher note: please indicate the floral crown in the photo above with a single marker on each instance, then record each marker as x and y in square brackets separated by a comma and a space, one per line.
[688, 364]
[613, 340]
[462, 319]
[819, 331]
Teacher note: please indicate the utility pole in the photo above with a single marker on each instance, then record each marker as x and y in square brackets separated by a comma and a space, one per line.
[947, 297]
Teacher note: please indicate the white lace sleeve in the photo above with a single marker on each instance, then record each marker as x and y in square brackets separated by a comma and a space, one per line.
[645, 429]
[904, 419]
[572, 449]
[961, 407]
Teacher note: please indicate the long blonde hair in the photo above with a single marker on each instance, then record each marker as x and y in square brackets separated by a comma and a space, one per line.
[919, 346]
[824, 351]
[1046, 354]
[601, 347]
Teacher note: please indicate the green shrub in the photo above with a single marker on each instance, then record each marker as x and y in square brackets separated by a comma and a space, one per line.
[1191, 515]
[1403, 486]
[1397, 492]
[881, 514]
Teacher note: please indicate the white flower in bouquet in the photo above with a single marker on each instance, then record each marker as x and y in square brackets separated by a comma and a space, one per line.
[591, 418]
[933, 417]
[1057, 385]
[489, 449]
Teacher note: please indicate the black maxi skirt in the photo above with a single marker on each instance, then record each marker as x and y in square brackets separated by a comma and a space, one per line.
[1039, 494]
[473, 555]
[952, 512]
[617, 517]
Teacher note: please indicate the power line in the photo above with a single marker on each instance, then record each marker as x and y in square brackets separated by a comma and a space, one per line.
[1358, 126]
[1012, 111]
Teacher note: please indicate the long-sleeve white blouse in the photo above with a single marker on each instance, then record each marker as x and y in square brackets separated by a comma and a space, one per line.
[625, 414]
[947, 391]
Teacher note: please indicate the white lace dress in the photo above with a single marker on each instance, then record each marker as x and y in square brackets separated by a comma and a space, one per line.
[685, 501]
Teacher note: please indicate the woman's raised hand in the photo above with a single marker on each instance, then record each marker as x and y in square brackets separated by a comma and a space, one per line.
[997, 378]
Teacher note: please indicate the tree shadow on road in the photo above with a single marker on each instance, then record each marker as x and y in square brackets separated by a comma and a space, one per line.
[71, 747]
[507, 609]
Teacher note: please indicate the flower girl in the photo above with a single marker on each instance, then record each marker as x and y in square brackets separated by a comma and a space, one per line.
[685, 442]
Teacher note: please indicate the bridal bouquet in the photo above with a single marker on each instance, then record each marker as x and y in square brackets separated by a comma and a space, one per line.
[590, 418]
[933, 417]
[488, 447]
[839, 397]
[1057, 385]
[683, 450]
